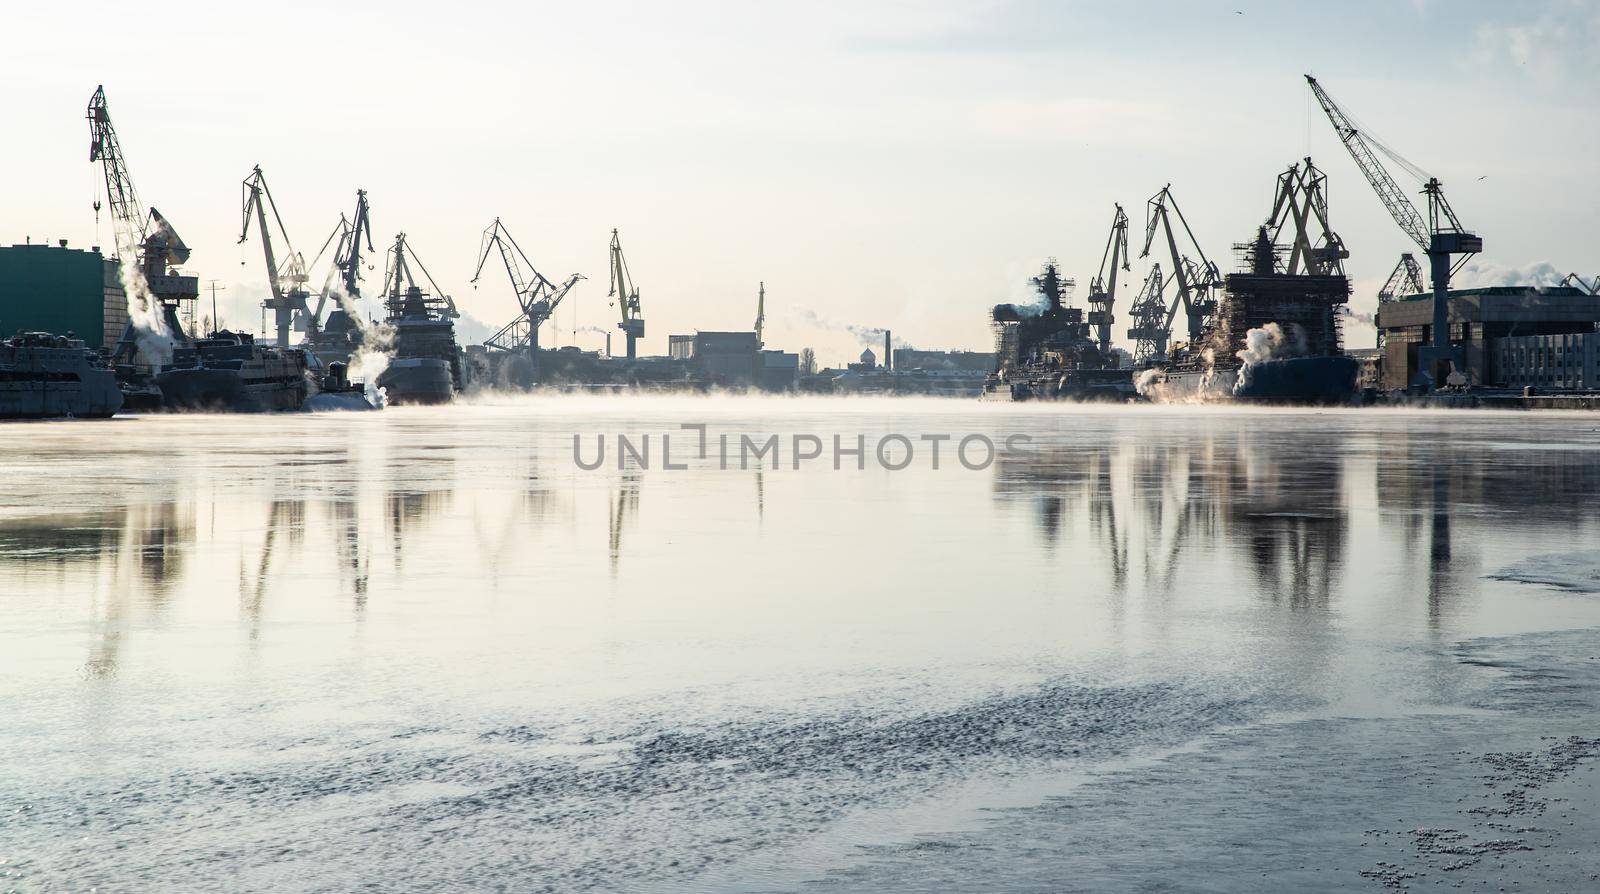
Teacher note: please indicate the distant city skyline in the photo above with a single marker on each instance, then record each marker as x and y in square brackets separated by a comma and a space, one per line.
[888, 165]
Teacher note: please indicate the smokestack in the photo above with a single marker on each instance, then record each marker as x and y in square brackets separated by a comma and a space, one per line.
[888, 358]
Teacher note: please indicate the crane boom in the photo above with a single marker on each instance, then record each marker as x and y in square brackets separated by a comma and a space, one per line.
[1394, 199]
[127, 214]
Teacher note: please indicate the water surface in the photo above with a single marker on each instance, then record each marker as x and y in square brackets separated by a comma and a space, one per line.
[423, 649]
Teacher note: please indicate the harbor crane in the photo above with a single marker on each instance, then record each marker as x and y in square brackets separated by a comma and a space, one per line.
[1575, 281]
[149, 237]
[346, 241]
[1405, 279]
[403, 293]
[1302, 199]
[1103, 288]
[288, 281]
[1151, 322]
[625, 295]
[537, 296]
[1196, 282]
[1440, 235]
[761, 316]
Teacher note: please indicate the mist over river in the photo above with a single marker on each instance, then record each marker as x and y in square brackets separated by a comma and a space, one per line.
[1146, 648]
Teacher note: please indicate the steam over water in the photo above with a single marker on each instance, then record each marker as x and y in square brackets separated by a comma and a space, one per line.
[1167, 648]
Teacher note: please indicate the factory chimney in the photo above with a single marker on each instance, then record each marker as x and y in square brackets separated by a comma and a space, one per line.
[888, 356]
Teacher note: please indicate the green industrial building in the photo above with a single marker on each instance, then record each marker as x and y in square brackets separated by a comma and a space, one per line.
[61, 290]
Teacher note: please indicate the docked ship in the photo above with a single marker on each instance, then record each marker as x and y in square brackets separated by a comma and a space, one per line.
[1046, 351]
[1274, 334]
[44, 376]
[425, 367]
[230, 372]
[1275, 338]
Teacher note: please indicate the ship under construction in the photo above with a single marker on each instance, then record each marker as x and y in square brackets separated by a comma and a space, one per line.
[1273, 330]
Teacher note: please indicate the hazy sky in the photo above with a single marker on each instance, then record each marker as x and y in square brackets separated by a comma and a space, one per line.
[898, 164]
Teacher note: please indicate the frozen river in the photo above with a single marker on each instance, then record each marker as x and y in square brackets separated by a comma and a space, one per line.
[1145, 649]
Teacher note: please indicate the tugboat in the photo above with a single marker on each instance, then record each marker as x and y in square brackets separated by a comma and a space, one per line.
[230, 372]
[426, 365]
[1045, 351]
[45, 376]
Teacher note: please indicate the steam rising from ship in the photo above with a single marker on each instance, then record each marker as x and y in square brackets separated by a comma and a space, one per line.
[1265, 343]
[376, 349]
[145, 315]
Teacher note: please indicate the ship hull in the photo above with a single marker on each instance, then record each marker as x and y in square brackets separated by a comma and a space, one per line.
[418, 380]
[94, 396]
[1291, 380]
[226, 390]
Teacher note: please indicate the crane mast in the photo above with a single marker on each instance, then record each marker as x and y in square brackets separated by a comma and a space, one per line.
[537, 296]
[626, 296]
[1302, 199]
[1103, 288]
[1195, 281]
[288, 284]
[148, 236]
[1440, 236]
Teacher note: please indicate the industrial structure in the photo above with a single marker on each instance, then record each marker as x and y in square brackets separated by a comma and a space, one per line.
[1103, 288]
[68, 291]
[625, 295]
[537, 296]
[427, 365]
[1506, 336]
[1441, 236]
[287, 280]
[1275, 332]
[1047, 350]
[148, 236]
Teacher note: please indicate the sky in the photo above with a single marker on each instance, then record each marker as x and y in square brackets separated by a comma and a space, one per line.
[901, 165]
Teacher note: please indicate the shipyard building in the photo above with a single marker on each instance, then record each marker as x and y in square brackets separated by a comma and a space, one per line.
[57, 289]
[1513, 336]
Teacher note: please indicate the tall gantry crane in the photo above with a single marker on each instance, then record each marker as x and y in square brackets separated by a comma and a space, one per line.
[1440, 235]
[1302, 199]
[537, 296]
[148, 236]
[1152, 325]
[288, 281]
[761, 315]
[1197, 282]
[1103, 288]
[626, 296]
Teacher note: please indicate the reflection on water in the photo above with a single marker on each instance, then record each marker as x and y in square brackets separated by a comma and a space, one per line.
[1284, 512]
[433, 614]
